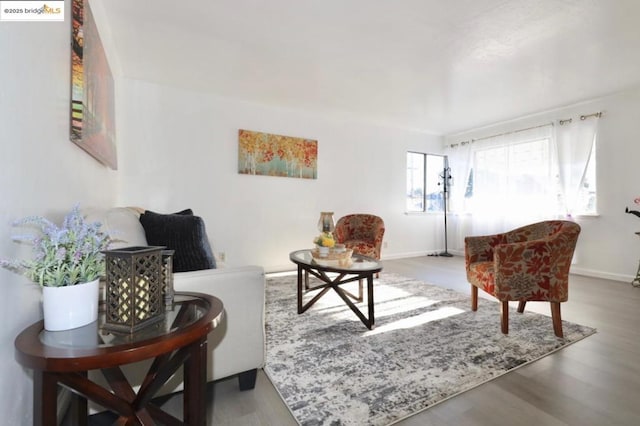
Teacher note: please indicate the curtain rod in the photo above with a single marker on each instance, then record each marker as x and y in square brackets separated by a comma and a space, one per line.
[582, 117]
[561, 122]
[501, 134]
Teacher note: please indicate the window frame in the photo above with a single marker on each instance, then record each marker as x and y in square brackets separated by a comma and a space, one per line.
[426, 202]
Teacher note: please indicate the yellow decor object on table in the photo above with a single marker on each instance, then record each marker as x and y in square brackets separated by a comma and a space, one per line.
[325, 240]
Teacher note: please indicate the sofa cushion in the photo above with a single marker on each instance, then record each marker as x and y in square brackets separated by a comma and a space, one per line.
[182, 232]
[121, 224]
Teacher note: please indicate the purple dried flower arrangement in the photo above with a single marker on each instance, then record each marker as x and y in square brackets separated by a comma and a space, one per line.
[63, 256]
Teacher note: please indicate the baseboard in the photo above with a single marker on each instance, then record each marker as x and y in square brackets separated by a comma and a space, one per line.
[405, 255]
[600, 274]
[574, 270]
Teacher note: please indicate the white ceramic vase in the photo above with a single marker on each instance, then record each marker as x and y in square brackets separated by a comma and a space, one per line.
[323, 251]
[70, 307]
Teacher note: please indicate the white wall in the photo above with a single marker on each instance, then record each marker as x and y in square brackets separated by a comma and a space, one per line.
[41, 173]
[180, 149]
[607, 246]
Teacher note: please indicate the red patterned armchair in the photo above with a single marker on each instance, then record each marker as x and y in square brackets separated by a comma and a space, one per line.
[530, 263]
[361, 232]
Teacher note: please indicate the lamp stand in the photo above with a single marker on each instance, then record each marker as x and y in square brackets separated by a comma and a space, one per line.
[446, 178]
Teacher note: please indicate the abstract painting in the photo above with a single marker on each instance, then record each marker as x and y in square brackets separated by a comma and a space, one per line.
[276, 155]
[92, 89]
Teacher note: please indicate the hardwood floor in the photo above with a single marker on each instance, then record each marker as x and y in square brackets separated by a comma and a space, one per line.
[595, 381]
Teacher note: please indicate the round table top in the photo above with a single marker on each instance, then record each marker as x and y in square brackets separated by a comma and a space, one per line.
[358, 265]
[192, 316]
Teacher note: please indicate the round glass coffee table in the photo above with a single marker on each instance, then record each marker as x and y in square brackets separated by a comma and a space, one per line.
[359, 269]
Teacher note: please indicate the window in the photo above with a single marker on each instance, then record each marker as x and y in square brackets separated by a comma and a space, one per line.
[523, 176]
[514, 179]
[526, 177]
[424, 182]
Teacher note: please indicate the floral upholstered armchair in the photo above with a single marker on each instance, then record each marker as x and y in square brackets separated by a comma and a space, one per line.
[530, 263]
[361, 232]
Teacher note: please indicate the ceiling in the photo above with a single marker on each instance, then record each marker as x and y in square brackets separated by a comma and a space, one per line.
[434, 65]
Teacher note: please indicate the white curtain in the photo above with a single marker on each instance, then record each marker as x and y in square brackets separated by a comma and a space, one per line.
[574, 140]
[513, 182]
[459, 157]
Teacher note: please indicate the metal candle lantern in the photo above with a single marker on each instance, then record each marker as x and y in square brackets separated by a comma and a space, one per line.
[134, 290]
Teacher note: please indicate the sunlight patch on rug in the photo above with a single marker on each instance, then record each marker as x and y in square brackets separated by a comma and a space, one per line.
[415, 321]
[426, 347]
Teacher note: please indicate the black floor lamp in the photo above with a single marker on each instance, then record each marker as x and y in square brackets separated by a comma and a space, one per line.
[446, 183]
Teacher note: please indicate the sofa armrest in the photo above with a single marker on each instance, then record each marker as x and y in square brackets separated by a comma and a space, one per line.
[238, 343]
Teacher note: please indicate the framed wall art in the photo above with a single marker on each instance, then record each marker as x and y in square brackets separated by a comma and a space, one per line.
[92, 89]
[277, 155]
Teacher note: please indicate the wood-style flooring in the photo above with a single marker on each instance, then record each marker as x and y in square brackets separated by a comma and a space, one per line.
[595, 381]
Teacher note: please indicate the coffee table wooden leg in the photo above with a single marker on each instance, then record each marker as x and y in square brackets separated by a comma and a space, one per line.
[195, 381]
[300, 288]
[370, 300]
[301, 307]
[45, 398]
[344, 295]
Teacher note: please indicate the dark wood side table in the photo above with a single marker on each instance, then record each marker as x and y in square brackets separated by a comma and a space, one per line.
[65, 357]
[362, 268]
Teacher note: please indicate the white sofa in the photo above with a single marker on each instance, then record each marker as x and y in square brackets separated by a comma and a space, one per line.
[237, 345]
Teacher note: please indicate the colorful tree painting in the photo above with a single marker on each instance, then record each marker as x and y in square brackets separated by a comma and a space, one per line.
[277, 155]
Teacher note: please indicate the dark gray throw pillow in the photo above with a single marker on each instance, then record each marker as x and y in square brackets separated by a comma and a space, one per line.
[182, 232]
[188, 212]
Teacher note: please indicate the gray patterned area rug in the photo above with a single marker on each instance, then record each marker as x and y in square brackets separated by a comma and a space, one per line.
[427, 346]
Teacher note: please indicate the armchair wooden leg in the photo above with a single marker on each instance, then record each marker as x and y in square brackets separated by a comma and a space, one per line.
[557, 320]
[474, 298]
[504, 317]
[521, 306]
